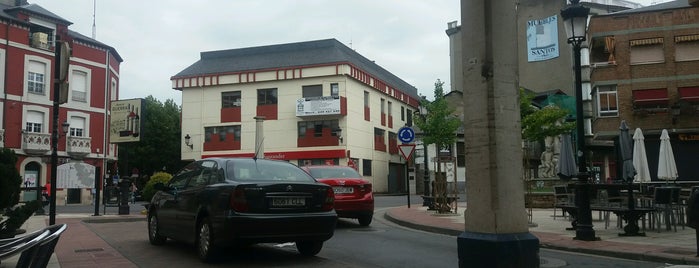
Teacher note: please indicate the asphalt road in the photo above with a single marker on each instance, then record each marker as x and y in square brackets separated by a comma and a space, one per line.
[383, 244]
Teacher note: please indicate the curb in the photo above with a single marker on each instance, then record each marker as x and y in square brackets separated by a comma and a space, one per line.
[641, 256]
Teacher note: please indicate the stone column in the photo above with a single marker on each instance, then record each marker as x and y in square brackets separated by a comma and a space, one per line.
[496, 231]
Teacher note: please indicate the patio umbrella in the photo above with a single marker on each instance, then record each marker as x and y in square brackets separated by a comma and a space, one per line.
[626, 153]
[667, 170]
[640, 161]
[566, 164]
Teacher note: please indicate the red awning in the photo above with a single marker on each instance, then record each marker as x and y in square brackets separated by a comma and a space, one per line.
[690, 94]
[650, 97]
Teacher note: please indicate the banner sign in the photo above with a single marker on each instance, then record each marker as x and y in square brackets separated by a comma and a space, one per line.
[542, 39]
[125, 120]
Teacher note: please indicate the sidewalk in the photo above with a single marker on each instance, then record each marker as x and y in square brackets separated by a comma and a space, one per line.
[665, 246]
[79, 246]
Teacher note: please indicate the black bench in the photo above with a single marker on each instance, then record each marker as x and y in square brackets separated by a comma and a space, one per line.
[429, 201]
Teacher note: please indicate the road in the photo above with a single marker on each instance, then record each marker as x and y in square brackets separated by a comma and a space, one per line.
[383, 244]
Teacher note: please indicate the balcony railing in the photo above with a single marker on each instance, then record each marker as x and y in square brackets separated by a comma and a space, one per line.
[79, 147]
[36, 143]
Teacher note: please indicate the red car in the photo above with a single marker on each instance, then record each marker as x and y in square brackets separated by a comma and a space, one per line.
[353, 194]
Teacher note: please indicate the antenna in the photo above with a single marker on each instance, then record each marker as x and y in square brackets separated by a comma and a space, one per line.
[94, 11]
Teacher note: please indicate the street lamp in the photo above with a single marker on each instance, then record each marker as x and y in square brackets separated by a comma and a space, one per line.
[426, 178]
[575, 22]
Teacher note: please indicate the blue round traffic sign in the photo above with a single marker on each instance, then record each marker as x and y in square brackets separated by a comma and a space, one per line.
[406, 135]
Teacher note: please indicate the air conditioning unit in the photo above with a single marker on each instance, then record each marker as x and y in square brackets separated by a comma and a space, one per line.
[40, 40]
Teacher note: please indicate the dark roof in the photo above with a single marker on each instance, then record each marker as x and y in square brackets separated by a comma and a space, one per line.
[317, 52]
[77, 36]
[36, 10]
[662, 6]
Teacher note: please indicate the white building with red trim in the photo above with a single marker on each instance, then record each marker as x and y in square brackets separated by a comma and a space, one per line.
[322, 102]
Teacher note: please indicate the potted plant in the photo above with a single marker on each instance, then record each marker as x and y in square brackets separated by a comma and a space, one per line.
[12, 214]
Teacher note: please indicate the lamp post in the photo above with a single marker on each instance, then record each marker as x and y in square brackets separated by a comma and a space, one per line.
[575, 22]
[426, 175]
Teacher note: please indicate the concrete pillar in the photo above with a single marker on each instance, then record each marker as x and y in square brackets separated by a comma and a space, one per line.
[496, 227]
[259, 137]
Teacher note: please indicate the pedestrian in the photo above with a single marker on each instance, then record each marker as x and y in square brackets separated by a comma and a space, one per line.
[133, 189]
[46, 194]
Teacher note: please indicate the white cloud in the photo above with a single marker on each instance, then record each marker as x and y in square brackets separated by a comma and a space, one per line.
[157, 39]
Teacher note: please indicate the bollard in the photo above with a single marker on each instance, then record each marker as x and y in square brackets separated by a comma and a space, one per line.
[693, 214]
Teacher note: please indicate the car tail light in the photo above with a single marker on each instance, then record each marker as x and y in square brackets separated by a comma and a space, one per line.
[329, 202]
[238, 201]
[365, 188]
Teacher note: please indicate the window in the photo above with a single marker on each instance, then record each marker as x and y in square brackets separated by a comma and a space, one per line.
[35, 121]
[267, 96]
[77, 126]
[335, 90]
[602, 50]
[402, 113]
[113, 90]
[312, 91]
[460, 154]
[366, 99]
[35, 77]
[366, 167]
[40, 37]
[223, 132]
[687, 47]
[645, 51]
[230, 99]
[78, 86]
[317, 127]
[607, 101]
[383, 106]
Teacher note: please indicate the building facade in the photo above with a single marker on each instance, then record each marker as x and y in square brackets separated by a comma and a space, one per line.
[645, 70]
[315, 102]
[28, 40]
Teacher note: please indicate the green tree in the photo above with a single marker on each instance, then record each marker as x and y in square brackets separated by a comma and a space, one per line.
[538, 124]
[439, 126]
[13, 216]
[159, 148]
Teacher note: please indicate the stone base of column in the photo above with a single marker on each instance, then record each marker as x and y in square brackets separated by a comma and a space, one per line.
[498, 250]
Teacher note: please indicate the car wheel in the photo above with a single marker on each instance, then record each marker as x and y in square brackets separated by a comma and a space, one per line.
[309, 248]
[365, 220]
[154, 235]
[205, 239]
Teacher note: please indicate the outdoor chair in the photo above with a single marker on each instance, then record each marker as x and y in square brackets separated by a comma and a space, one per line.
[663, 204]
[561, 197]
[40, 254]
[10, 247]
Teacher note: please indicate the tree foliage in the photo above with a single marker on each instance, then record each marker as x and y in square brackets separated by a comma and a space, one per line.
[439, 124]
[439, 127]
[159, 148]
[158, 177]
[10, 180]
[538, 124]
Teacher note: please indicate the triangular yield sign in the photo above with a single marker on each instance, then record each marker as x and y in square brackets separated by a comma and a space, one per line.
[406, 150]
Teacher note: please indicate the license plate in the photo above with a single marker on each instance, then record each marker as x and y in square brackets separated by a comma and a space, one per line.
[288, 202]
[343, 190]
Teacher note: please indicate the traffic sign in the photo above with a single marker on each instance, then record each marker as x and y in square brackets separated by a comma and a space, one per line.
[407, 150]
[406, 134]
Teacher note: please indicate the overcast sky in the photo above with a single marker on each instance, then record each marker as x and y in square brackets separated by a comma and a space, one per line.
[158, 39]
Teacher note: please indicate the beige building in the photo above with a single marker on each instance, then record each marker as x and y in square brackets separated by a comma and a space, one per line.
[322, 103]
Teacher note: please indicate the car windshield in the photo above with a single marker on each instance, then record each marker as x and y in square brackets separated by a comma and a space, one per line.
[333, 172]
[263, 170]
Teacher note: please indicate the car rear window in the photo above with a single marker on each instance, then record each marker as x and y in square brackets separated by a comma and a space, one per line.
[265, 170]
[325, 173]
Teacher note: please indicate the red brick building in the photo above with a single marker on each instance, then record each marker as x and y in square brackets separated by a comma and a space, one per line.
[28, 35]
[645, 70]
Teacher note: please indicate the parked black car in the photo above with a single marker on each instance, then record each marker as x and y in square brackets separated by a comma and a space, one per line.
[217, 202]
